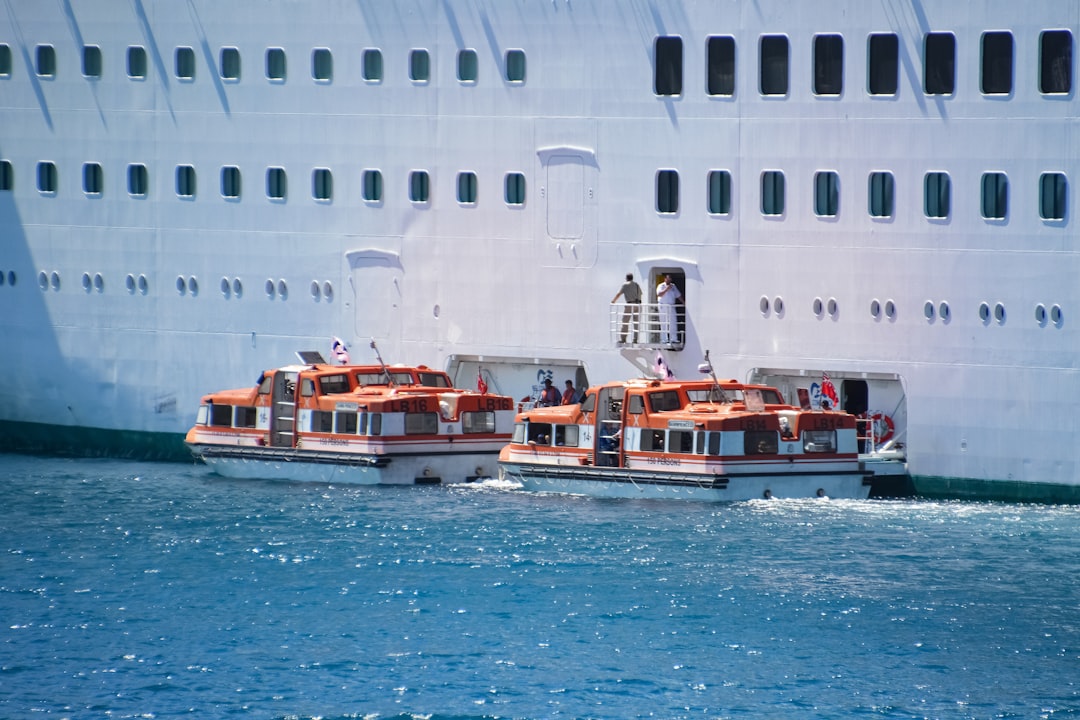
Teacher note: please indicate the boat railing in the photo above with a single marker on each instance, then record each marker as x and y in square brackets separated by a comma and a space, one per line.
[646, 325]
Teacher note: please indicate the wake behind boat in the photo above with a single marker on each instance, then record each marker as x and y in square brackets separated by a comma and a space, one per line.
[364, 424]
[689, 439]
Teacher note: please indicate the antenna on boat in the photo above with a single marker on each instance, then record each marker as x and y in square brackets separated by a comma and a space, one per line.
[386, 371]
[706, 368]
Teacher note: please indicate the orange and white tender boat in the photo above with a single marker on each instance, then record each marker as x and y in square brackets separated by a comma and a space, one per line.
[366, 424]
[694, 439]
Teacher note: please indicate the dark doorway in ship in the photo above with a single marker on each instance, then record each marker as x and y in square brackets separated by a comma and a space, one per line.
[662, 331]
[855, 399]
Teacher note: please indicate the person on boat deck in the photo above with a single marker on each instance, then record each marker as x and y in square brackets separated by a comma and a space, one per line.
[631, 293]
[667, 295]
[549, 395]
[569, 395]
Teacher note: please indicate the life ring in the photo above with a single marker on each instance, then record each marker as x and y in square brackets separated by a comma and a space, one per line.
[882, 425]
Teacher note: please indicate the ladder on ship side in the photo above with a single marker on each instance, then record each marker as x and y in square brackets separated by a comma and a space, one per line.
[283, 414]
[609, 427]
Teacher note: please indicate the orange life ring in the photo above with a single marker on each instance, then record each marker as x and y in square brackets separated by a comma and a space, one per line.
[882, 425]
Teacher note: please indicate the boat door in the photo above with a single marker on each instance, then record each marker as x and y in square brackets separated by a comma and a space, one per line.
[609, 425]
[283, 409]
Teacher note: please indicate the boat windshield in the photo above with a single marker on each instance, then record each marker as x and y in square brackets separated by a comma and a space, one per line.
[379, 378]
[714, 395]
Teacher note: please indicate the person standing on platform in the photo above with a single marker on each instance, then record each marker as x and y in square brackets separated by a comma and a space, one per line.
[549, 395]
[569, 395]
[667, 294]
[631, 294]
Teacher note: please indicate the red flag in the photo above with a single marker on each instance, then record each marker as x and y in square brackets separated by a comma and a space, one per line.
[828, 390]
[481, 386]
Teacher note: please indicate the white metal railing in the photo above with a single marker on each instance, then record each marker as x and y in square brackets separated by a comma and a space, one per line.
[645, 325]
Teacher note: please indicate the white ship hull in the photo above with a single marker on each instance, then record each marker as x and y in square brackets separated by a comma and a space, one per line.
[131, 284]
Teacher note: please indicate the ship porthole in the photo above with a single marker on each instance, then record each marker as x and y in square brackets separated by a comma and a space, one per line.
[928, 310]
[875, 309]
[833, 307]
[43, 280]
[193, 285]
[328, 290]
[237, 287]
[129, 283]
[99, 282]
[1055, 314]
[144, 286]
[778, 305]
[181, 285]
[11, 278]
[315, 291]
[999, 313]
[890, 309]
[763, 305]
[1040, 314]
[225, 289]
[819, 307]
[283, 289]
[984, 312]
[55, 280]
[86, 282]
[943, 311]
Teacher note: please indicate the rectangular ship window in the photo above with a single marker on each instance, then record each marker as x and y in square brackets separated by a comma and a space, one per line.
[996, 77]
[566, 435]
[5, 60]
[667, 191]
[937, 191]
[46, 177]
[276, 66]
[826, 194]
[185, 181]
[245, 416]
[371, 65]
[772, 192]
[45, 61]
[1053, 190]
[828, 64]
[91, 61]
[230, 63]
[138, 180]
[185, 63]
[230, 181]
[419, 66]
[1055, 62]
[515, 66]
[221, 415]
[882, 194]
[774, 65]
[322, 421]
[333, 384]
[883, 64]
[93, 179]
[419, 186]
[277, 183]
[761, 442]
[136, 62]
[721, 65]
[7, 176]
[372, 186]
[322, 65]
[995, 196]
[719, 192]
[668, 70]
[467, 66]
[515, 189]
[939, 64]
[345, 423]
[322, 184]
[819, 441]
[466, 187]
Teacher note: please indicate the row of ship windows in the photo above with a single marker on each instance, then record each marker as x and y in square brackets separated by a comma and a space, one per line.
[277, 183]
[359, 422]
[881, 189]
[276, 64]
[324, 291]
[996, 76]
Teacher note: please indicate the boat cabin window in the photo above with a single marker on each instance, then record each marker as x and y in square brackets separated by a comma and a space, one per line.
[307, 388]
[375, 424]
[245, 417]
[265, 383]
[519, 434]
[664, 401]
[379, 378]
[761, 442]
[539, 433]
[699, 442]
[714, 443]
[635, 404]
[330, 384]
[421, 423]
[477, 422]
[221, 415]
[345, 423]
[432, 379]
[712, 395]
[589, 403]
[652, 440]
[819, 441]
[680, 441]
[322, 421]
[566, 435]
[771, 396]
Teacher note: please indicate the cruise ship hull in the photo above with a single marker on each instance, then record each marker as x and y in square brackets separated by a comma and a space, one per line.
[192, 191]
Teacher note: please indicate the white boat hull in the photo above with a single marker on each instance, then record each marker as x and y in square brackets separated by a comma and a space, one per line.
[638, 484]
[351, 469]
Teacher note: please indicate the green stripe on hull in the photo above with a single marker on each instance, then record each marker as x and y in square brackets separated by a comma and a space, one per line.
[1004, 490]
[38, 438]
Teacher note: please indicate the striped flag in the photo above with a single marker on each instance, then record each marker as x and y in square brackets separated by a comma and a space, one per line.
[828, 390]
[481, 386]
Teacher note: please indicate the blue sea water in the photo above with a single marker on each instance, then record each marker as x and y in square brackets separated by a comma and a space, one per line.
[160, 590]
